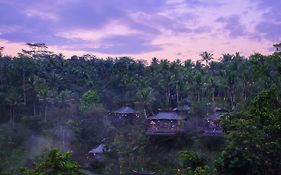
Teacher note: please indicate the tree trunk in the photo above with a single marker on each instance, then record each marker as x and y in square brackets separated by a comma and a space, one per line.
[121, 165]
[150, 107]
[168, 93]
[24, 89]
[144, 111]
[198, 96]
[34, 109]
[231, 97]
[177, 95]
[63, 137]
[13, 117]
[213, 95]
[245, 90]
[45, 112]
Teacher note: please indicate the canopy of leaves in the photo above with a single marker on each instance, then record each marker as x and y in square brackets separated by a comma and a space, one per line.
[254, 138]
[56, 163]
[88, 99]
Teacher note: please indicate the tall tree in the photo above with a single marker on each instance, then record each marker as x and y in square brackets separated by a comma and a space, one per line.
[37, 50]
[253, 141]
[206, 56]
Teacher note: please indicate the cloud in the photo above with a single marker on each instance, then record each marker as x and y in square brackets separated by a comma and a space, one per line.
[41, 22]
[9, 15]
[127, 27]
[270, 25]
[270, 8]
[202, 29]
[270, 30]
[51, 22]
[87, 15]
[18, 26]
[37, 36]
[233, 25]
[130, 44]
[158, 23]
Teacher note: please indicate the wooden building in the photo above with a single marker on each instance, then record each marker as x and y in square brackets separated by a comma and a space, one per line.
[165, 123]
[96, 155]
[212, 125]
[123, 115]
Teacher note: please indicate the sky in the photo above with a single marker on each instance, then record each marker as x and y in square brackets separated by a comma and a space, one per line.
[142, 29]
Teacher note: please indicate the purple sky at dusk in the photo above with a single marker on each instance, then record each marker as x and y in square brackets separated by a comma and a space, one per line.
[142, 28]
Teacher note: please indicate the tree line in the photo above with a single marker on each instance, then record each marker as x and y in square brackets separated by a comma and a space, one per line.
[36, 79]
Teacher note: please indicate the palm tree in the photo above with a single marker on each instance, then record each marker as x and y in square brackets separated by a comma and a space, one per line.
[206, 56]
[1, 50]
[146, 97]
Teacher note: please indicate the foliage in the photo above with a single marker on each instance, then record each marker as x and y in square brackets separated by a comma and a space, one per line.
[254, 140]
[206, 56]
[56, 163]
[191, 162]
[130, 145]
[200, 171]
[11, 143]
[88, 99]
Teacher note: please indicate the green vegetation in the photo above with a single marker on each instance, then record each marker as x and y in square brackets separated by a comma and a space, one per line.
[254, 143]
[88, 99]
[47, 101]
[191, 163]
[54, 163]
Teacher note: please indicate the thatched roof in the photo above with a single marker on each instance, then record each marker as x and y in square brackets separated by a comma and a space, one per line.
[98, 150]
[166, 116]
[125, 110]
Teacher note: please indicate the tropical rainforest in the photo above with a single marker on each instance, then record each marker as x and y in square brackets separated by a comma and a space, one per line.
[53, 110]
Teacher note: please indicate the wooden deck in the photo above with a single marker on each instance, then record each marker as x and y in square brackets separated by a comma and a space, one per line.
[164, 131]
[213, 132]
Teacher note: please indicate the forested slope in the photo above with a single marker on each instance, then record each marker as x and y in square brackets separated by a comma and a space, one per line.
[47, 100]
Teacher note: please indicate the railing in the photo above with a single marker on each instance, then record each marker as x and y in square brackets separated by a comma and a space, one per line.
[211, 132]
[164, 131]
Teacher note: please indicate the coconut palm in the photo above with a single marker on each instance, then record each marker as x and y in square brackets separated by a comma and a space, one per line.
[206, 56]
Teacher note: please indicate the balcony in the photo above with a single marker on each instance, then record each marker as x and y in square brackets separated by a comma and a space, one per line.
[165, 131]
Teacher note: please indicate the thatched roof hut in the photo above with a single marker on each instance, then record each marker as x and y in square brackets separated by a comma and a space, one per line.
[165, 123]
[212, 125]
[123, 115]
[98, 150]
